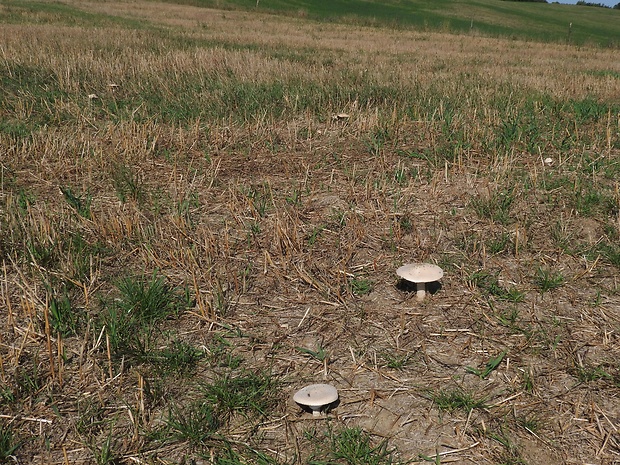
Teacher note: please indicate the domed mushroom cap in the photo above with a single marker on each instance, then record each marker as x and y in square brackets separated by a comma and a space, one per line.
[316, 396]
[420, 272]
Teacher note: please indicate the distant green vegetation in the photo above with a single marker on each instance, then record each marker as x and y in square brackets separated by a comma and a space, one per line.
[538, 21]
[599, 5]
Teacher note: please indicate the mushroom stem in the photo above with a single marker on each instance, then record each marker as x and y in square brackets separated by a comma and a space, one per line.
[421, 274]
[316, 412]
[421, 291]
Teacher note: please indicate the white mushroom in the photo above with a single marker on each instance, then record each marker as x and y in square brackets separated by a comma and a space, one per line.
[420, 274]
[316, 397]
[341, 116]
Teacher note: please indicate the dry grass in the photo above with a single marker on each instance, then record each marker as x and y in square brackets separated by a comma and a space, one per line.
[267, 214]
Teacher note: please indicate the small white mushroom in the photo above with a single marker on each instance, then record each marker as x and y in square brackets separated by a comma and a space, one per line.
[316, 397]
[420, 274]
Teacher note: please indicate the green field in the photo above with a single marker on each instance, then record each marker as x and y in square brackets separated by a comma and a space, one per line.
[523, 20]
[499, 18]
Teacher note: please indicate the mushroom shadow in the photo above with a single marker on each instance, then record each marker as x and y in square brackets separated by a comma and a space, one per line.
[407, 286]
[325, 409]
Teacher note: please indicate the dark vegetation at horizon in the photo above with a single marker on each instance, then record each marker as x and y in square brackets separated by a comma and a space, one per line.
[598, 5]
[579, 3]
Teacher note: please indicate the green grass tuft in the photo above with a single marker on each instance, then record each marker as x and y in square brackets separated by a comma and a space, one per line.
[248, 394]
[8, 442]
[79, 202]
[548, 280]
[196, 423]
[496, 207]
[131, 321]
[456, 399]
[489, 283]
[351, 446]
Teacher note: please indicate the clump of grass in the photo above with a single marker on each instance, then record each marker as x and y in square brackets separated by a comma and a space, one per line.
[8, 442]
[104, 453]
[588, 374]
[351, 446]
[562, 237]
[128, 184]
[64, 318]
[496, 207]
[204, 421]
[489, 283]
[511, 454]
[148, 299]
[319, 354]
[500, 244]
[131, 320]
[314, 235]
[178, 357]
[489, 367]
[79, 257]
[6, 395]
[79, 202]
[43, 251]
[247, 393]
[196, 423]
[509, 318]
[90, 417]
[548, 280]
[361, 286]
[219, 353]
[394, 361]
[406, 224]
[452, 400]
[527, 381]
[25, 199]
[221, 300]
[338, 219]
[531, 422]
[610, 251]
[259, 197]
[354, 446]
[28, 379]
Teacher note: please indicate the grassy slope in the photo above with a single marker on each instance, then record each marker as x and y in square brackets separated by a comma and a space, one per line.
[538, 21]
[220, 169]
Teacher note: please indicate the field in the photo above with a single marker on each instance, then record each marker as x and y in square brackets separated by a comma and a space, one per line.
[551, 22]
[203, 210]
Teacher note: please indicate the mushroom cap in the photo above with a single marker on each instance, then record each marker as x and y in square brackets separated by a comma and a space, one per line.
[316, 395]
[420, 272]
